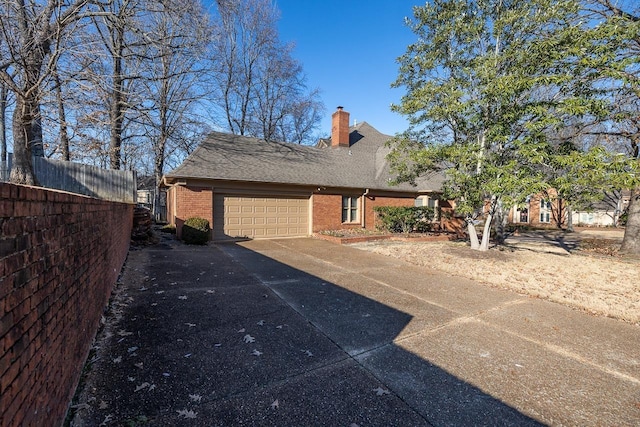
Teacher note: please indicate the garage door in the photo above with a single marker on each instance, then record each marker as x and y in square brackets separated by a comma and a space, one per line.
[260, 217]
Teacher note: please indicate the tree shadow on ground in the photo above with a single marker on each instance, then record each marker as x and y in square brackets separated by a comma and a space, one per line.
[223, 335]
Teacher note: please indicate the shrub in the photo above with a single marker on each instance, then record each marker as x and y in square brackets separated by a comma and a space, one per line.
[405, 219]
[195, 231]
[171, 229]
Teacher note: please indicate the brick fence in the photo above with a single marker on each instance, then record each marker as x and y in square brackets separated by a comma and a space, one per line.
[60, 255]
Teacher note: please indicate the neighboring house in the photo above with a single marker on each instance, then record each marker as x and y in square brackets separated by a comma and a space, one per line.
[550, 211]
[146, 192]
[250, 188]
[537, 211]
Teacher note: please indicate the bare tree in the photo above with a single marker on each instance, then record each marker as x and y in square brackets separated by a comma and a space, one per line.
[115, 27]
[256, 83]
[109, 73]
[171, 77]
[34, 34]
[302, 121]
[276, 86]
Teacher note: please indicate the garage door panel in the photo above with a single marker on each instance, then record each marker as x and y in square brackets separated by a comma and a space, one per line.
[260, 217]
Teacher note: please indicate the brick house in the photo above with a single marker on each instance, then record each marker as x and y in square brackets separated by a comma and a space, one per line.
[548, 210]
[538, 210]
[250, 188]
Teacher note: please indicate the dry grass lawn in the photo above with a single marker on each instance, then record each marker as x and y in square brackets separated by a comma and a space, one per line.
[602, 285]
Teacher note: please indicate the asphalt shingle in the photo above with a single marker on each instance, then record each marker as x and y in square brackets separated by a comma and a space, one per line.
[363, 164]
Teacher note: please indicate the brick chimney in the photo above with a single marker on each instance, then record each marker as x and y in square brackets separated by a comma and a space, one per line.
[340, 128]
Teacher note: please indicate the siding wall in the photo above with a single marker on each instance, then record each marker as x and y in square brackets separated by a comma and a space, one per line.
[60, 255]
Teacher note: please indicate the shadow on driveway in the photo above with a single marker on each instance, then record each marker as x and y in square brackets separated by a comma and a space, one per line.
[222, 335]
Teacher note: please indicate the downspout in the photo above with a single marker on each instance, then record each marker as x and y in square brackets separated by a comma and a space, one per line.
[364, 197]
[171, 200]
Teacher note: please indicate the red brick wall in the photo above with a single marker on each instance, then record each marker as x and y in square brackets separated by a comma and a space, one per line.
[370, 215]
[60, 255]
[449, 221]
[327, 210]
[190, 202]
[558, 210]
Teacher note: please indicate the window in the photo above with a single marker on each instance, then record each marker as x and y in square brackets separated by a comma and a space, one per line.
[545, 211]
[427, 202]
[349, 209]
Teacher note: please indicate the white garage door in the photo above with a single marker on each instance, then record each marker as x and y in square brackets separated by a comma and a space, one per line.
[260, 217]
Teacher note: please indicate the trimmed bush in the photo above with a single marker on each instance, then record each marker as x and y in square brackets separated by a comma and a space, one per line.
[405, 219]
[195, 231]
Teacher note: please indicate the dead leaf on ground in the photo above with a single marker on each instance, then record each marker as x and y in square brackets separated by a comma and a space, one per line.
[142, 386]
[380, 391]
[187, 413]
[106, 420]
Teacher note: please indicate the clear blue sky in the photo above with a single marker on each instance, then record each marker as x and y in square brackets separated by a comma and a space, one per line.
[348, 49]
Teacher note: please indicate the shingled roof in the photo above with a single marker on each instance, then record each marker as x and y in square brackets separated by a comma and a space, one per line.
[362, 165]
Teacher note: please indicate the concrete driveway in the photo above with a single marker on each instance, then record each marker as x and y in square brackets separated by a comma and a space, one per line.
[306, 332]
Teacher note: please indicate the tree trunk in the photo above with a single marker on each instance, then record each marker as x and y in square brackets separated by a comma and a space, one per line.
[36, 142]
[560, 213]
[117, 108]
[4, 97]
[158, 167]
[569, 219]
[116, 115]
[26, 133]
[486, 233]
[62, 117]
[473, 234]
[501, 223]
[631, 240]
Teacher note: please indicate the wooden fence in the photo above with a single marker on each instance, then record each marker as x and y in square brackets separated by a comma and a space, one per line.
[78, 178]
